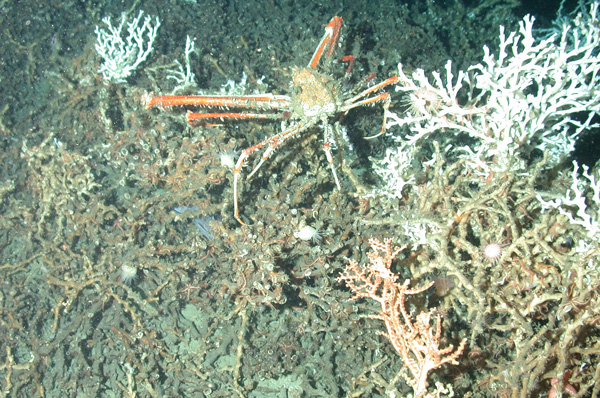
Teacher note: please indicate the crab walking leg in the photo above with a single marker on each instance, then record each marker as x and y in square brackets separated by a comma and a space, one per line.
[330, 38]
[193, 116]
[266, 154]
[386, 82]
[327, 148]
[350, 59]
[329, 156]
[236, 175]
[266, 101]
[366, 101]
[384, 97]
[272, 142]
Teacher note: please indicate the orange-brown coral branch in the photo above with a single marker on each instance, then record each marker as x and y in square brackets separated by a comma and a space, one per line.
[417, 341]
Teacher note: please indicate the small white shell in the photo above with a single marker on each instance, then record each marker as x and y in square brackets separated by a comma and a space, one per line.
[308, 233]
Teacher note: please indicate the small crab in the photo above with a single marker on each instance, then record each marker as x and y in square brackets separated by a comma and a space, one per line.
[315, 98]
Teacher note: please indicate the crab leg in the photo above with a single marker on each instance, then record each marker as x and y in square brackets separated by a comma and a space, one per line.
[236, 175]
[328, 130]
[386, 82]
[385, 97]
[366, 101]
[350, 59]
[192, 116]
[272, 143]
[330, 39]
[266, 101]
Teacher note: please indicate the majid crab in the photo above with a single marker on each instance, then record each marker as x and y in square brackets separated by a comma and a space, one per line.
[315, 98]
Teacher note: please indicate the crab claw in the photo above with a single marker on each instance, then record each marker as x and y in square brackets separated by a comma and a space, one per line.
[329, 41]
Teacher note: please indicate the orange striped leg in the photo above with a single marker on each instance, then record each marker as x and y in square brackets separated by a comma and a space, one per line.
[193, 116]
[329, 156]
[366, 101]
[329, 41]
[272, 143]
[266, 101]
[236, 175]
[385, 97]
[238, 169]
[327, 137]
[350, 59]
[386, 82]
